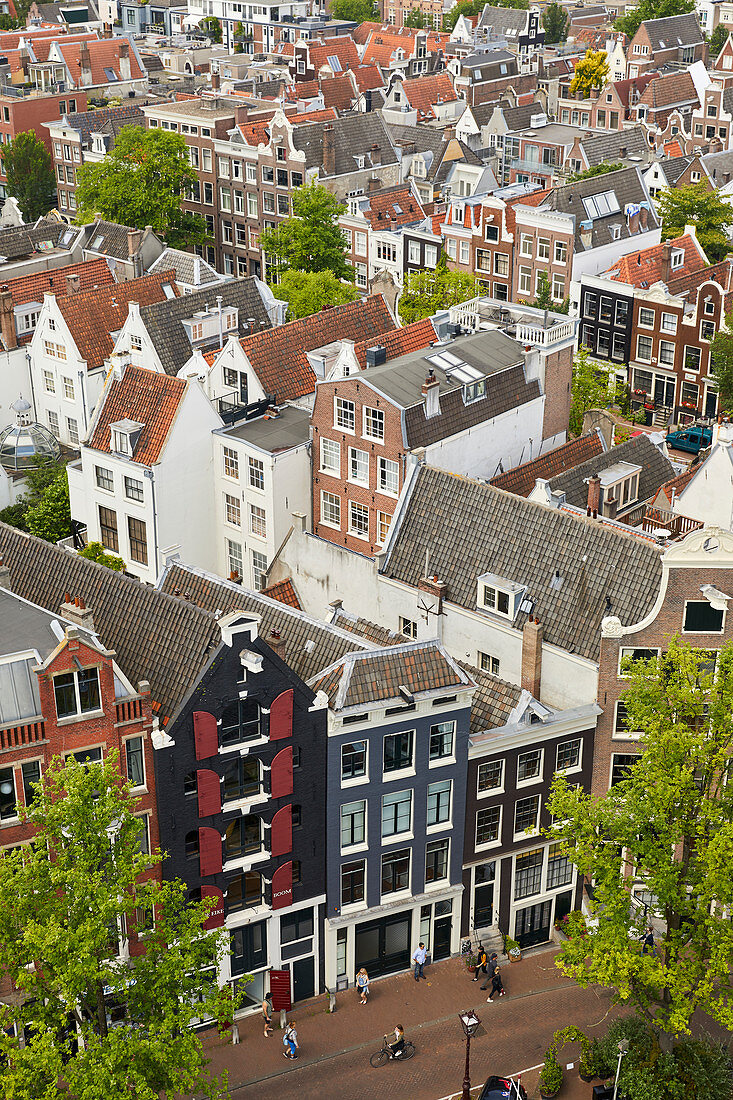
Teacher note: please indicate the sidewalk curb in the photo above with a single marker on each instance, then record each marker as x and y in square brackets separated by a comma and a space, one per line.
[361, 1046]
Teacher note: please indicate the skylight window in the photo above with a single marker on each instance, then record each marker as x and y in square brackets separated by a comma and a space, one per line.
[110, 74]
[335, 64]
[97, 242]
[598, 206]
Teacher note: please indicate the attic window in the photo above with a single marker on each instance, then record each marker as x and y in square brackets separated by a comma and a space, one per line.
[111, 75]
[98, 242]
[678, 257]
[499, 596]
[124, 435]
[598, 206]
[169, 290]
[335, 64]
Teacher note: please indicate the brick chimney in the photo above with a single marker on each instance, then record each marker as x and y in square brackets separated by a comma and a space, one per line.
[125, 70]
[74, 609]
[277, 643]
[329, 151]
[7, 319]
[373, 185]
[435, 587]
[73, 283]
[666, 261]
[216, 83]
[594, 495]
[376, 154]
[85, 65]
[532, 657]
[134, 240]
[431, 393]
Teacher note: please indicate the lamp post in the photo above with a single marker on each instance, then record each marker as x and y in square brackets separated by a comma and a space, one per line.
[623, 1050]
[469, 1023]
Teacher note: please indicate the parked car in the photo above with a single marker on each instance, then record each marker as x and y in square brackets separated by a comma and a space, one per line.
[690, 439]
[503, 1088]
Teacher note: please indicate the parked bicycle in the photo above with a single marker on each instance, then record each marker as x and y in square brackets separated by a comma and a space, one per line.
[381, 1057]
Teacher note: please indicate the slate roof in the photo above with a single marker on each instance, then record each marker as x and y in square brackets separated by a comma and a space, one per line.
[718, 165]
[399, 341]
[23, 240]
[94, 315]
[31, 288]
[106, 119]
[673, 167]
[502, 19]
[278, 356]
[164, 319]
[521, 480]
[644, 268]
[184, 265]
[108, 239]
[380, 635]
[607, 147]
[283, 592]
[628, 186]
[147, 397]
[354, 136]
[363, 678]
[520, 117]
[673, 31]
[469, 528]
[656, 469]
[493, 701]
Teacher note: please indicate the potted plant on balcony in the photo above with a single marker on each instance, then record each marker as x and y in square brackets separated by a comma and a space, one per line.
[551, 1076]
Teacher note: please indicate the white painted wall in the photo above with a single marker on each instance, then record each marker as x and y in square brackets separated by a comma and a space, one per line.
[601, 258]
[709, 496]
[15, 379]
[87, 385]
[505, 439]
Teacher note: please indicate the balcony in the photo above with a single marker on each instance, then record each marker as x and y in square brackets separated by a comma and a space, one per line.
[27, 733]
[651, 519]
[519, 164]
[539, 336]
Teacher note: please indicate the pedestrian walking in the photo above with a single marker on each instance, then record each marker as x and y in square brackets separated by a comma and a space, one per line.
[648, 941]
[290, 1041]
[362, 984]
[481, 960]
[418, 957]
[496, 986]
[490, 968]
[267, 1014]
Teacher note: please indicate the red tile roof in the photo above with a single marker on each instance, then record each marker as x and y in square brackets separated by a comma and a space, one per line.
[149, 398]
[278, 355]
[367, 77]
[672, 149]
[102, 55]
[383, 45]
[338, 92]
[399, 341]
[425, 93]
[645, 267]
[258, 132]
[623, 88]
[397, 206]
[341, 46]
[284, 591]
[31, 288]
[94, 315]
[362, 32]
[675, 485]
[521, 480]
[304, 89]
[669, 90]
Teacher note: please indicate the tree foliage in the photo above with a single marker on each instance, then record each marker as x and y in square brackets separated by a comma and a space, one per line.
[718, 39]
[417, 20]
[29, 171]
[211, 26]
[590, 73]
[721, 351]
[426, 292]
[706, 210]
[555, 22]
[308, 292]
[598, 170]
[588, 389]
[94, 551]
[669, 825]
[44, 509]
[630, 22]
[141, 182]
[311, 239]
[355, 11]
[63, 901]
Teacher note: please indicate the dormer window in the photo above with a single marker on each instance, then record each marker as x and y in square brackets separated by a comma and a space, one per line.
[678, 257]
[124, 435]
[499, 596]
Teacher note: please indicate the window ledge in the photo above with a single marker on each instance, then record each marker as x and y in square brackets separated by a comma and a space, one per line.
[86, 717]
[439, 826]
[243, 863]
[489, 846]
[402, 773]
[398, 838]
[358, 782]
[491, 792]
[354, 849]
[523, 783]
[243, 747]
[442, 761]
[244, 805]
[526, 836]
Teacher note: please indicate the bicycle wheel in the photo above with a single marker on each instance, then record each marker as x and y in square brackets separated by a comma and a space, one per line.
[379, 1059]
[408, 1050]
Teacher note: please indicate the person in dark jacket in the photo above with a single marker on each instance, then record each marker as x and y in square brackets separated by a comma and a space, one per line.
[481, 960]
[496, 985]
[491, 967]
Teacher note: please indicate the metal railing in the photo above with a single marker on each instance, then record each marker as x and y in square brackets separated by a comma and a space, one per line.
[650, 518]
[537, 334]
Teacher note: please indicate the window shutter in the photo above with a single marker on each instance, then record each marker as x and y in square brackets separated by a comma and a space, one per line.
[282, 886]
[205, 734]
[215, 918]
[280, 989]
[281, 833]
[281, 716]
[281, 773]
[209, 851]
[209, 793]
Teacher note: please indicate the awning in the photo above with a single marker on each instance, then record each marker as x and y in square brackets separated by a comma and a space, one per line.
[192, 20]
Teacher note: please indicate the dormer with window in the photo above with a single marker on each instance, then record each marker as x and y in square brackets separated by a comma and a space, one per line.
[124, 436]
[619, 488]
[678, 257]
[499, 596]
[211, 324]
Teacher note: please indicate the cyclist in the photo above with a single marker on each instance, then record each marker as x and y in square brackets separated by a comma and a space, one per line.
[399, 1044]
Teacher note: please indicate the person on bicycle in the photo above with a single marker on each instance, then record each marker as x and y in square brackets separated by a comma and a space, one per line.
[399, 1044]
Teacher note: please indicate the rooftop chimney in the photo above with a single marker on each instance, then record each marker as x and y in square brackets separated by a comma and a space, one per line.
[666, 261]
[85, 65]
[5, 576]
[73, 283]
[134, 240]
[329, 151]
[77, 612]
[532, 657]
[594, 495]
[7, 319]
[215, 82]
[431, 393]
[277, 644]
[376, 154]
[372, 185]
[125, 70]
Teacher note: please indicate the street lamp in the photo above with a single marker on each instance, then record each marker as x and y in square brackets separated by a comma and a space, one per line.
[623, 1050]
[469, 1023]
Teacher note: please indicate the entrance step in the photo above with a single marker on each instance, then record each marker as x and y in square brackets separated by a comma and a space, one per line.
[491, 938]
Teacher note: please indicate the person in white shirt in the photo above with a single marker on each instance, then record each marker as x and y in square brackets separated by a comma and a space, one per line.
[418, 957]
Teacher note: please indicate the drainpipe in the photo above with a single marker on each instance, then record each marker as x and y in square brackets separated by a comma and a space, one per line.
[148, 473]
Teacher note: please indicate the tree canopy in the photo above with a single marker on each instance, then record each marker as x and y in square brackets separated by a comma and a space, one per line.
[356, 11]
[308, 292]
[590, 72]
[94, 551]
[70, 902]
[667, 827]
[44, 509]
[29, 171]
[695, 205]
[718, 39]
[630, 22]
[426, 292]
[597, 170]
[311, 239]
[555, 22]
[141, 182]
[588, 389]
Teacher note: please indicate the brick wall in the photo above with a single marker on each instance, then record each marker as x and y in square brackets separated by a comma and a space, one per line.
[558, 372]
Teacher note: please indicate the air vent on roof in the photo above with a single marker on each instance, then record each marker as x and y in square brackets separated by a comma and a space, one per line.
[376, 356]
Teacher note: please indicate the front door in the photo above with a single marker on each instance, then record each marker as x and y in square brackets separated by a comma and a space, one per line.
[483, 895]
[383, 946]
[441, 937]
[711, 404]
[664, 391]
[303, 979]
[532, 925]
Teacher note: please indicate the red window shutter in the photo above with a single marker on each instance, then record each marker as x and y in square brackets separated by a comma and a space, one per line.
[205, 734]
[209, 851]
[281, 833]
[282, 886]
[280, 989]
[281, 773]
[209, 793]
[215, 918]
[281, 716]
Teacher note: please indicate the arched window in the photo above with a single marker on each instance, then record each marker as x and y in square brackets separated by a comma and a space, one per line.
[192, 844]
[240, 722]
[243, 837]
[189, 784]
[244, 891]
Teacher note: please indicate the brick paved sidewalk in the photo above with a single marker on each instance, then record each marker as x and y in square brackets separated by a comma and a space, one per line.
[335, 1048]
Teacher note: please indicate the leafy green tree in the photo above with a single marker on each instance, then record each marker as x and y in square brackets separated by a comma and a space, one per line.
[718, 39]
[426, 292]
[706, 210]
[590, 73]
[355, 11]
[651, 9]
[671, 820]
[544, 292]
[29, 170]
[49, 517]
[598, 170]
[588, 389]
[555, 22]
[311, 239]
[141, 182]
[211, 27]
[417, 20]
[63, 900]
[94, 551]
[307, 292]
